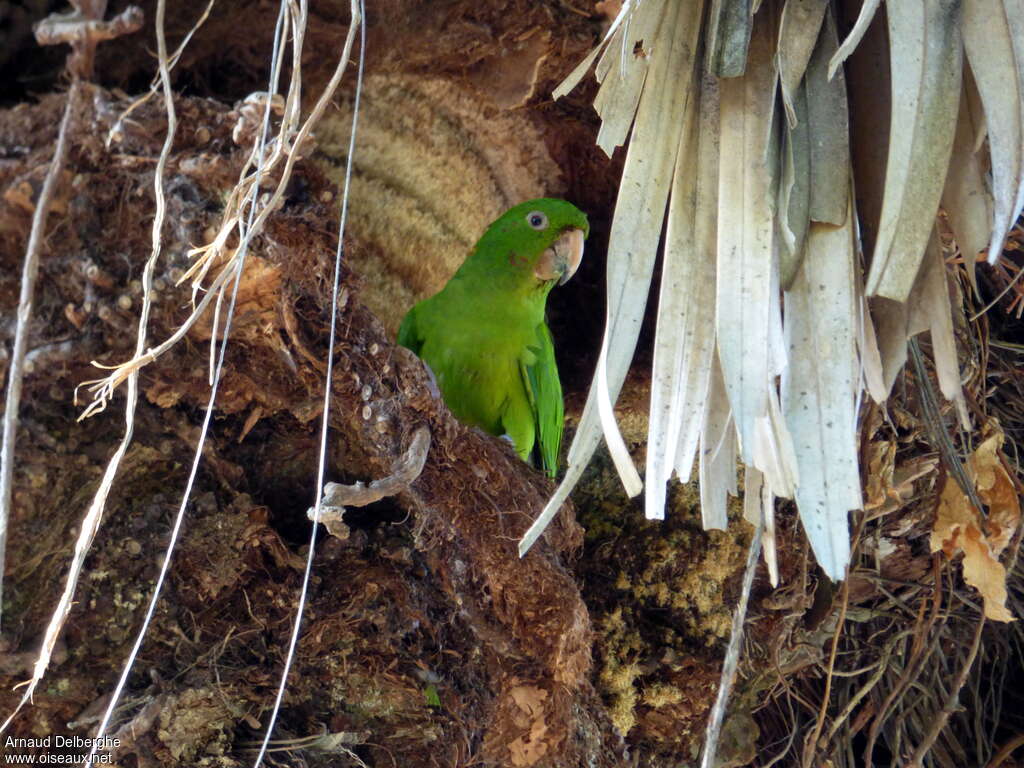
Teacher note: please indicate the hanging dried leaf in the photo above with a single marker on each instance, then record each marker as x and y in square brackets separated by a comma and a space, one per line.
[798, 33]
[958, 527]
[867, 74]
[829, 126]
[717, 454]
[745, 233]
[636, 229]
[788, 178]
[867, 13]
[794, 190]
[988, 44]
[997, 490]
[891, 323]
[752, 482]
[728, 36]
[930, 308]
[966, 197]
[622, 78]
[758, 505]
[926, 69]
[699, 354]
[872, 372]
[819, 391]
[685, 338]
[613, 33]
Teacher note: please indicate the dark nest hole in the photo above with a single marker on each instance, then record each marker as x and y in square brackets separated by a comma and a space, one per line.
[279, 455]
[576, 310]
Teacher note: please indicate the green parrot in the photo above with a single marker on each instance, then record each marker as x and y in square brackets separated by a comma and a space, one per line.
[484, 335]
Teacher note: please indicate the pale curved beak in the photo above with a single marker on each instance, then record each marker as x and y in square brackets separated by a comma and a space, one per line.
[562, 259]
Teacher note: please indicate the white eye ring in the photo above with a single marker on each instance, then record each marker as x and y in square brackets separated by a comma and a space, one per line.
[537, 219]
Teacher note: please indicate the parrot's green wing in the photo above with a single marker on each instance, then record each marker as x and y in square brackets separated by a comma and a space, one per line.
[540, 377]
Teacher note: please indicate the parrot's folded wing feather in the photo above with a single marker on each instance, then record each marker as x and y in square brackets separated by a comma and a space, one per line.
[408, 333]
[540, 377]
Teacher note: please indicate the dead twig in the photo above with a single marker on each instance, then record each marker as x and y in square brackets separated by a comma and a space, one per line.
[1005, 751]
[937, 429]
[732, 653]
[920, 652]
[323, 742]
[952, 701]
[880, 669]
[336, 496]
[812, 743]
[83, 29]
[127, 735]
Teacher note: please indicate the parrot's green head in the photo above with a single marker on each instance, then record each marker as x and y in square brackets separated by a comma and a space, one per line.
[534, 244]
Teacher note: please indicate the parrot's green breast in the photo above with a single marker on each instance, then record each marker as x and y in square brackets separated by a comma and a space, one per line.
[484, 335]
[477, 362]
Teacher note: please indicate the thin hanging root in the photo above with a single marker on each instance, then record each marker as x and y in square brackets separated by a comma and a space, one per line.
[180, 516]
[103, 389]
[358, 12]
[233, 268]
[94, 514]
[732, 654]
[28, 281]
[84, 32]
[155, 84]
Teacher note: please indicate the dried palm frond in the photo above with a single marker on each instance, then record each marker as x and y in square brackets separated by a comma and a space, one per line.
[738, 117]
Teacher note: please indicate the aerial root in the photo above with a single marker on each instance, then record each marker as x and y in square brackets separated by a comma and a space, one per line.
[337, 496]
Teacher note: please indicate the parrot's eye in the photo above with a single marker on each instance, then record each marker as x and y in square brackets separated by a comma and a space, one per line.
[537, 220]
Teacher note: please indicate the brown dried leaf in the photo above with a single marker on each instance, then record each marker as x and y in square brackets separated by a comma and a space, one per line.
[881, 461]
[904, 477]
[530, 699]
[20, 195]
[953, 516]
[24, 191]
[530, 746]
[509, 78]
[608, 8]
[958, 527]
[983, 571]
[889, 488]
[996, 489]
[256, 305]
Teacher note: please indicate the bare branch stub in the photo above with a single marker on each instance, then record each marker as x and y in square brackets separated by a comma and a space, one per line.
[404, 472]
[83, 29]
